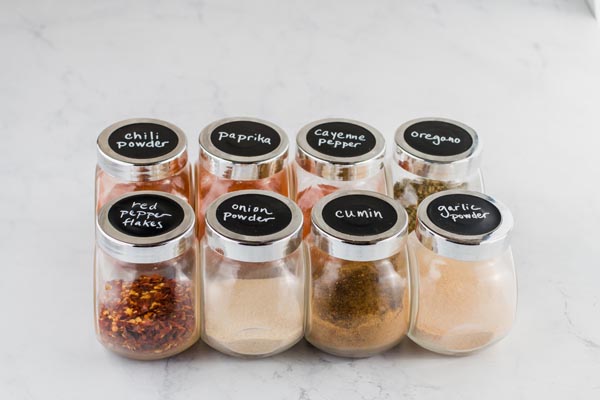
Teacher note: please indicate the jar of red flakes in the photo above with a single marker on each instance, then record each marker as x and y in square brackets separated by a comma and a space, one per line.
[239, 154]
[336, 154]
[142, 154]
[146, 276]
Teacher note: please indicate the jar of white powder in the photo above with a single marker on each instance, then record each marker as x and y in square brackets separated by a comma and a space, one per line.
[253, 267]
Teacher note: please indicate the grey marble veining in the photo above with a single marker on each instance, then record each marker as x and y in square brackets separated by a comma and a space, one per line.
[525, 74]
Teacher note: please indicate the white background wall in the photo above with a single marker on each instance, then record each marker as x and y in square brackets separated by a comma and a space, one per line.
[525, 74]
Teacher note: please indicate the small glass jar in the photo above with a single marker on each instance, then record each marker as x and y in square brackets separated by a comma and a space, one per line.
[146, 276]
[253, 274]
[335, 154]
[142, 154]
[462, 270]
[359, 297]
[240, 154]
[432, 155]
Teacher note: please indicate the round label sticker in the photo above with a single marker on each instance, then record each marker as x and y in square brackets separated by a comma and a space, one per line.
[145, 215]
[438, 138]
[254, 214]
[341, 139]
[464, 214]
[359, 215]
[143, 140]
[245, 138]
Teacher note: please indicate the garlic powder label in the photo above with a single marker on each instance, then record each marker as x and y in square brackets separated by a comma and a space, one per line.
[143, 140]
[464, 214]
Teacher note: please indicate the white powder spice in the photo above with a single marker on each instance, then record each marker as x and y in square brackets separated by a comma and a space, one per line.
[253, 316]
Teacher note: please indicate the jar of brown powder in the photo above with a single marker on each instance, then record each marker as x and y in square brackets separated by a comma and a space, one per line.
[239, 154]
[463, 278]
[253, 274]
[146, 276]
[142, 154]
[336, 154]
[359, 299]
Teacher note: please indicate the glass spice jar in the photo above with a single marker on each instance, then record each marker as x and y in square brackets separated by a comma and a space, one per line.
[146, 276]
[240, 154]
[462, 271]
[142, 154]
[432, 155]
[359, 297]
[253, 274]
[334, 154]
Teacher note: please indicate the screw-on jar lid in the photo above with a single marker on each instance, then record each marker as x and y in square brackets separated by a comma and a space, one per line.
[359, 225]
[438, 148]
[145, 227]
[340, 149]
[243, 148]
[254, 226]
[142, 149]
[464, 225]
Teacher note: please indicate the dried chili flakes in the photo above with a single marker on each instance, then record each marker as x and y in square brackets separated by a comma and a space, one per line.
[151, 314]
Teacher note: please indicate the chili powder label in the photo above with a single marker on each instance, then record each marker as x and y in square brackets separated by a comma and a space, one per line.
[245, 138]
[145, 215]
[359, 215]
[143, 140]
[254, 214]
[438, 138]
[464, 214]
[341, 139]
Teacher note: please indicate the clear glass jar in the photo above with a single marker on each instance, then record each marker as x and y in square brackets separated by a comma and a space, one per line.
[142, 154]
[336, 154]
[253, 274]
[359, 293]
[240, 154]
[462, 270]
[432, 155]
[146, 276]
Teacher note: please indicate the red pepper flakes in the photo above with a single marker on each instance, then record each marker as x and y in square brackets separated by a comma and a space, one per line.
[151, 314]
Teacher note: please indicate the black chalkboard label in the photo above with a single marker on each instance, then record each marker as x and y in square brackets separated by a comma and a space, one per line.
[143, 140]
[145, 215]
[245, 138]
[464, 214]
[341, 139]
[438, 138]
[254, 214]
[359, 215]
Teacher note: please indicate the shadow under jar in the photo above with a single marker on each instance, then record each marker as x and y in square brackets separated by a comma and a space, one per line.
[336, 154]
[462, 270]
[142, 154]
[240, 154]
[432, 155]
[359, 298]
[253, 274]
[146, 276]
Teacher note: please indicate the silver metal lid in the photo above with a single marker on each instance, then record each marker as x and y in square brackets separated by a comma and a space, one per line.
[243, 148]
[359, 225]
[438, 148]
[340, 149]
[254, 226]
[146, 227]
[464, 225]
[142, 149]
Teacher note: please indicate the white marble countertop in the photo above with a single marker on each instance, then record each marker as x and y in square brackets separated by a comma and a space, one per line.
[525, 74]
